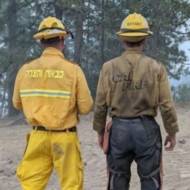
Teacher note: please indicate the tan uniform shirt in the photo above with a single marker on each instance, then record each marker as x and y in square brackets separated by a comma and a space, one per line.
[52, 91]
[134, 85]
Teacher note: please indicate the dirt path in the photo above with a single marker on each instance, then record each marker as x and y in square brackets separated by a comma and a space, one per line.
[176, 166]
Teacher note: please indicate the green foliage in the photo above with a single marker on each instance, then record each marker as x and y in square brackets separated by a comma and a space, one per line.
[182, 93]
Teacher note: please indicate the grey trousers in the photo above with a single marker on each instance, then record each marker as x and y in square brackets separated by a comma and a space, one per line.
[139, 140]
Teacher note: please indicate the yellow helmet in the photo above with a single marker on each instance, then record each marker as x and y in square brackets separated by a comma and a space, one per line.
[134, 28]
[50, 27]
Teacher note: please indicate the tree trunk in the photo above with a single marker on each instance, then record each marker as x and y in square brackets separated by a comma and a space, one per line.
[12, 30]
[102, 32]
[79, 33]
[58, 11]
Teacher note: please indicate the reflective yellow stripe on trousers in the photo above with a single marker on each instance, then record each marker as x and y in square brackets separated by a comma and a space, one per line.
[45, 93]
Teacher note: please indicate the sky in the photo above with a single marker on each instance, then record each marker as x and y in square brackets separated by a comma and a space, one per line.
[184, 79]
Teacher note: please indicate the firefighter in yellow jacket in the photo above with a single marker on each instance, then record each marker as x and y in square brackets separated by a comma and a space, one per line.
[132, 87]
[51, 91]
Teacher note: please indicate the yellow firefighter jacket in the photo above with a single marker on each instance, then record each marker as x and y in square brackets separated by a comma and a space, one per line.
[52, 91]
[134, 85]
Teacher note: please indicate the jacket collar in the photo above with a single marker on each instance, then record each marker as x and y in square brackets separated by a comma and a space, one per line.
[51, 51]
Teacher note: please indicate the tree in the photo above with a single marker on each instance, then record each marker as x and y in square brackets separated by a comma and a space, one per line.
[182, 93]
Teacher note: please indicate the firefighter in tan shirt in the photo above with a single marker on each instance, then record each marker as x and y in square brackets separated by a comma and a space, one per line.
[131, 88]
[52, 92]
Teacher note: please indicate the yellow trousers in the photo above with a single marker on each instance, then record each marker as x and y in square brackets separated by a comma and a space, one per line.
[48, 150]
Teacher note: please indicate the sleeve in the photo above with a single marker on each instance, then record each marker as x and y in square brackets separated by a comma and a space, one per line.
[84, 98]
[17, 103]
[166, 104]
[100, 111]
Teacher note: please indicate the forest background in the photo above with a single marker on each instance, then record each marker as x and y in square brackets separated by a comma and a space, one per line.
[94, 24]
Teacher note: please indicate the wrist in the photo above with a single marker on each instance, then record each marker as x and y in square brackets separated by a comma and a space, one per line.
[172, 135]
[101, 132]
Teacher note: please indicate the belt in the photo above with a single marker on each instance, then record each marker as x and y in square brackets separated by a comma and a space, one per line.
[42, 128]
[136, 117]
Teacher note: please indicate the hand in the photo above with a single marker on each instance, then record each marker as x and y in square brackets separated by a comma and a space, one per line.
[170, 142]
[100, 140]
[101, 136]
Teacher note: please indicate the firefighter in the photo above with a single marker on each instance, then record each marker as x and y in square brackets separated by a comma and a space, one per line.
[132, 87]
[51, 91]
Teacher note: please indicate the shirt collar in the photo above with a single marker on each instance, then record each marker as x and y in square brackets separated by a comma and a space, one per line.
[134, 50]
[52, 51]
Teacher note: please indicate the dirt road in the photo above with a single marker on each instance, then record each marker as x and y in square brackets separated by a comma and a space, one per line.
[176, 163]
